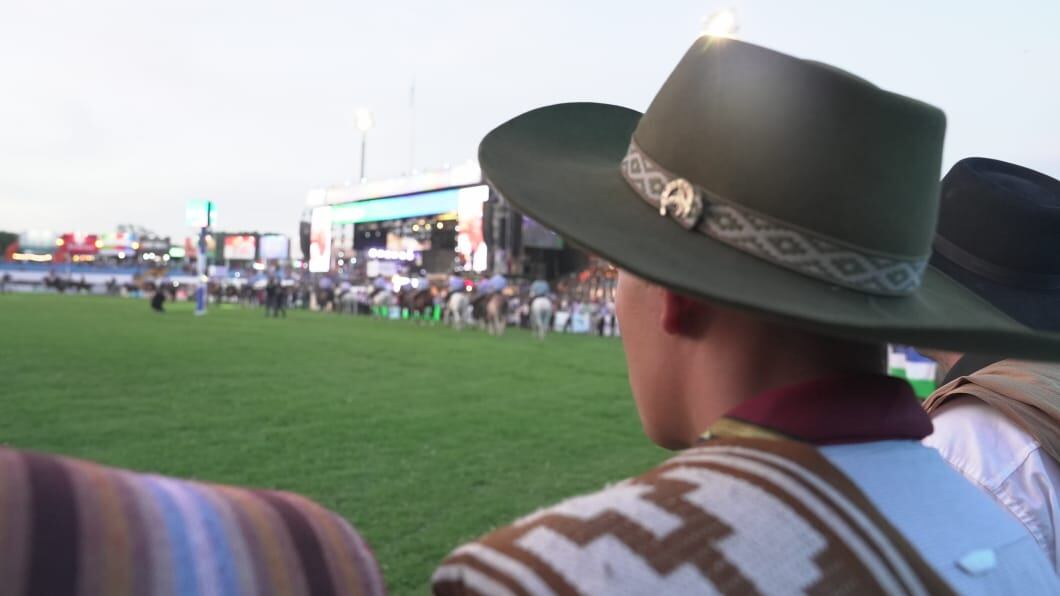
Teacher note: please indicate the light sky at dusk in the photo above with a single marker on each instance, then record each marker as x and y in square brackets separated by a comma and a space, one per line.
[120, 111]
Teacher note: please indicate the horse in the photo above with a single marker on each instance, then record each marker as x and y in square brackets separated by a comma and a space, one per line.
[56, 283]
[382, 300]
[540, 316]
[457, 309]
[348, 303]
[496, 313]
[420, 303]
[478, 308]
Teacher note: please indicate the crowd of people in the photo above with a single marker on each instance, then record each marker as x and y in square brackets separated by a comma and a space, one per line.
[580, 303]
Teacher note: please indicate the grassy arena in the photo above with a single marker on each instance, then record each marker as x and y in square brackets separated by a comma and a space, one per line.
[421, 436]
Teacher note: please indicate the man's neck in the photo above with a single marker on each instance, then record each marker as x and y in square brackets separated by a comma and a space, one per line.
[732, 377]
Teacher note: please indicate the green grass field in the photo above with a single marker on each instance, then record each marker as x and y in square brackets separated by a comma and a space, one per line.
[421, 436]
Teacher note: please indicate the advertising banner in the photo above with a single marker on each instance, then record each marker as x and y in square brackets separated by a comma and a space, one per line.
[240, 248]
[195, 214]
[79, 244]
[114, 242]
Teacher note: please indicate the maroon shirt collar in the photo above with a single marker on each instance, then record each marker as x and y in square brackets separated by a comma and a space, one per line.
[840, 409]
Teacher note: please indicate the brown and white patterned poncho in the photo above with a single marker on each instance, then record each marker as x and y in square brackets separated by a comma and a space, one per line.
[736, 516]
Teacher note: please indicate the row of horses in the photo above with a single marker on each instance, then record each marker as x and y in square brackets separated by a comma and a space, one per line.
[460, 309]
[491, 310]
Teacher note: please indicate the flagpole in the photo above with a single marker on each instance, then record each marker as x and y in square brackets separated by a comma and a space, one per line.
[412, 133]
[200, 265]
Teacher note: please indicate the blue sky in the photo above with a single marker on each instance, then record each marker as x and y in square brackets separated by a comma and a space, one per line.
[118, 111]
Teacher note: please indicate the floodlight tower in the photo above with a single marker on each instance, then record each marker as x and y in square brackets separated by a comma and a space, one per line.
[365, 122]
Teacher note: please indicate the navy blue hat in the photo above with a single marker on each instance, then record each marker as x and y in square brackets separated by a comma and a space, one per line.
[999, 236]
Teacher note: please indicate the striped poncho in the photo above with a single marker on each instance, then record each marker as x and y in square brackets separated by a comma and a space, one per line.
[70, 527]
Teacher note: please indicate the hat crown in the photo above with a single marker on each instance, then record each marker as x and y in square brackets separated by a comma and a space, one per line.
[1003, 214]
[800, 142]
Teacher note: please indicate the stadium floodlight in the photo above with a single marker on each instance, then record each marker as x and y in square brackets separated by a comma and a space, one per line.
[722, 23]
[364, 122]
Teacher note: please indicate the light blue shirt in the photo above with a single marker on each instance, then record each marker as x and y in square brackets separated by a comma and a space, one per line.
[539, 288]
[975, 545]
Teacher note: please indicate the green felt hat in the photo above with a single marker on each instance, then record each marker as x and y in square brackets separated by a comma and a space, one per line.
[765, 182]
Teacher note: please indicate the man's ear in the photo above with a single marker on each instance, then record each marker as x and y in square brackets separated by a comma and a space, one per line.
[684, 316]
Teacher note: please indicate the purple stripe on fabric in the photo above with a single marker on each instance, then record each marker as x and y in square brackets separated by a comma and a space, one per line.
[14, 536]
[92, 531]
[160, 574]
[139, 530]
[306, 543]
[54, 532]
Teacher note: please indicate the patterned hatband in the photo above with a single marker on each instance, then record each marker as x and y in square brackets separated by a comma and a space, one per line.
[775, 241]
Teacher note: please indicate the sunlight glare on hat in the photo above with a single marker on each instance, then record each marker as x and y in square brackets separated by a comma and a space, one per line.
[722, 23]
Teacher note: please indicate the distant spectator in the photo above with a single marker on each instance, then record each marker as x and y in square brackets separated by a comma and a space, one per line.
[281, 301]
[326, 295]
[271, 291]
[158, 299]
[276, 297]
[539, 288]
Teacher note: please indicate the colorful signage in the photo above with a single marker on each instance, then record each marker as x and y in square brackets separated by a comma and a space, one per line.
[195, 214]
[78, 244]
[240, 247]
[113, 243]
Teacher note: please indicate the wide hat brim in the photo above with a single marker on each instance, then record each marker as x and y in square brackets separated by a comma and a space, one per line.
[560, 165]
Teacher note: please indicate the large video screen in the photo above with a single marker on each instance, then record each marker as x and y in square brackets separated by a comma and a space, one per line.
[320, 240]
[240, 248]
[536, 235]
[274, 247]
[470, 241]
[416, 205]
